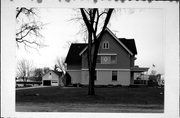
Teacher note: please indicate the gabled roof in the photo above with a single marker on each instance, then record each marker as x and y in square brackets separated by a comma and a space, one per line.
[56, 72]
[130, 44]
[126, 44]
[73, 56]
[76, 49]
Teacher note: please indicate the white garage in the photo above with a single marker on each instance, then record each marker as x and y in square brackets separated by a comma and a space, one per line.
[52, 78]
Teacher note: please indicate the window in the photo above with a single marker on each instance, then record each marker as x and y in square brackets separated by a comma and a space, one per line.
[106, 59]
[54, 81]
[114, 59]
[114, 75]
[105, 45]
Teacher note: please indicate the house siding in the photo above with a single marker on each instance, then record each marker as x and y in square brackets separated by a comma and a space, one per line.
[123, 57]
[75, 76]
[73, 67]
[104, 77]
[124, 77]
[132, 59]
[85, 77]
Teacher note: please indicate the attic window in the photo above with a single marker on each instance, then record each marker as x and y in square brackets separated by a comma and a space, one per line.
[105, 45]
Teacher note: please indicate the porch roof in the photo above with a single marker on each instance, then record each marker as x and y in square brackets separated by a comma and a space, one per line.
[139, 69]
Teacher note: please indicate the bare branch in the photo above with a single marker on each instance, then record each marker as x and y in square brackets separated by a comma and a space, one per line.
[25, 11]
[102, 14]
[86, 21]
[24, 68]
[60, 63]
[28, 26]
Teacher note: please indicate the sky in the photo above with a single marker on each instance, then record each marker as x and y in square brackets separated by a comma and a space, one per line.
[143, 25]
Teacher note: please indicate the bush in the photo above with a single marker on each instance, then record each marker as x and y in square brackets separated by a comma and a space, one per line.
[152, 83]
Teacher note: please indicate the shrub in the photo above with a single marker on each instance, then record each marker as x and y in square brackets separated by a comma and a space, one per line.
[152, 83]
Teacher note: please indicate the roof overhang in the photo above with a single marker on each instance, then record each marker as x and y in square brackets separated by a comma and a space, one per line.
[139, 69]
[114, 36]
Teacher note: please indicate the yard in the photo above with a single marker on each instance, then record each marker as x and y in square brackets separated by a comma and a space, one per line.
[57, 99]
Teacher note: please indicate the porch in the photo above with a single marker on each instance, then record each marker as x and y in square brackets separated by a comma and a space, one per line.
[139, 75]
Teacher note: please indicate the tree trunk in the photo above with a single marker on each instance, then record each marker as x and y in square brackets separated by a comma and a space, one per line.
[24, 81]
[91, 82]
[90, 61]
[92, 53]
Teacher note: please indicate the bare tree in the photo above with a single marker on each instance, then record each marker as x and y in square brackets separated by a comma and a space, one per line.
[28, 28]
[95, 20]
[38, 73]
[60, 64]
[24, 68]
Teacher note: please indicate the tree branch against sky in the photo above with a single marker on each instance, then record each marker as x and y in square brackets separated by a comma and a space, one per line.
[28, 28]
[60, 63]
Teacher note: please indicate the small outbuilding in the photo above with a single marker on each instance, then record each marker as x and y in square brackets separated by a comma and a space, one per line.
[53, 78]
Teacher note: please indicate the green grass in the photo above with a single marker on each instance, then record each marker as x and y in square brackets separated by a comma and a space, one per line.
[141, 96]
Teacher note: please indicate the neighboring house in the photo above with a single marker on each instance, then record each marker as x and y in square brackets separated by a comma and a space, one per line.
[52, 78]
[115, 61]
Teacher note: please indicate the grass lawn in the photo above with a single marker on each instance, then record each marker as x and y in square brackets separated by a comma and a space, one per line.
[76, 99]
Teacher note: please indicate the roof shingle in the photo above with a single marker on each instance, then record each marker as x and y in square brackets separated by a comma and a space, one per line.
[130, 44]
[73, 56]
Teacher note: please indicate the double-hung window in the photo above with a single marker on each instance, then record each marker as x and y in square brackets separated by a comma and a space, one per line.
[114, 75]
[105, 45]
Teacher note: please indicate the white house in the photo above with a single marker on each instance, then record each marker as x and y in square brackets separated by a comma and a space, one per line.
[115, 61]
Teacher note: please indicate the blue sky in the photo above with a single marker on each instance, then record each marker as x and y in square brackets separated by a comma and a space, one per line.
[144, 25]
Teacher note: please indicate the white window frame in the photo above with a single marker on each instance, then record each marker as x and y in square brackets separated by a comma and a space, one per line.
[116, 75]
[105, 45]
[107, 54]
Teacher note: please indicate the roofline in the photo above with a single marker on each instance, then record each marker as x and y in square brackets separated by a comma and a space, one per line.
[49, 71]
[139, 69]
[114, 36]
[70, 47]
[119, 40]
[83, 51]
